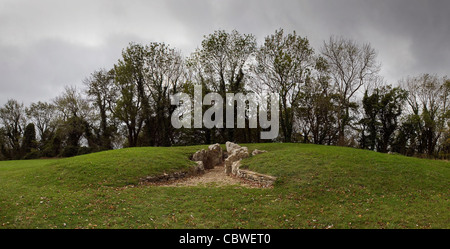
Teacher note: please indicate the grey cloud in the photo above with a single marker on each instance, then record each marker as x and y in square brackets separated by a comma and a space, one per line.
[42, 70]
[48, 44]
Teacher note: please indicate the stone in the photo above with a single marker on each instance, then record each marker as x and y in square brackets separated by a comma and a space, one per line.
[151, 179]
[200, 168]
[235, 167]
[199, 156]
[211, 157]
[235, 153]
[256, 152]
[214, 156]
[231, 146]
[263, 180]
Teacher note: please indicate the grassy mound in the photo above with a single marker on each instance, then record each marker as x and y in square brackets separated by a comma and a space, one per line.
[317, 187]
[110, 168]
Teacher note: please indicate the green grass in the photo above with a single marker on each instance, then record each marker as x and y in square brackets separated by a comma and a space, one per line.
[317, 187]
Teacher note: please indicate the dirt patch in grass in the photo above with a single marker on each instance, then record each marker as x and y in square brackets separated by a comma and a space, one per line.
[215, 177]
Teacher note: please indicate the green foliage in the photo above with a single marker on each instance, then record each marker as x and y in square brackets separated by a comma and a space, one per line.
[146, 77]
[284, 62]
[381, 112]
[129, 77]
[319, 95]
[317, 107]
[100, 86]
[33, 154]
[221, 65]
[29, 139]
[69, 151]
[84, 150]
[424, 127]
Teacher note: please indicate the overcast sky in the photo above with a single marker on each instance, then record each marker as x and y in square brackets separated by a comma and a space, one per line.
[48, 44]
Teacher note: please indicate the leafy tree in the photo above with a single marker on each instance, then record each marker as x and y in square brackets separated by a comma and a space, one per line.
[406, 141]
[75, 120]
[29, 139]
[164, 70]
[101, 90]
[283, 64]
[316, 109]
[382, 109]
[132, 106]
[221, 65]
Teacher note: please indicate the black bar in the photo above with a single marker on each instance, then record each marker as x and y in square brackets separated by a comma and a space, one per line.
[223, 238]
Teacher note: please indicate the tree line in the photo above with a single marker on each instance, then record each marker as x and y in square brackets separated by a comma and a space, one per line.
[334, 96]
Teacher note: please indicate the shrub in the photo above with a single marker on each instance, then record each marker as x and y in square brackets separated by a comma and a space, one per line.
[34, 154]
[69, 151]
[85, 150]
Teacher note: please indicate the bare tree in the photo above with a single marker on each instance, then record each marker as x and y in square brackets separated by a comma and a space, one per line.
[351, 66]
[12, 118]
[42, 114]
[72, 103]
[428, 99]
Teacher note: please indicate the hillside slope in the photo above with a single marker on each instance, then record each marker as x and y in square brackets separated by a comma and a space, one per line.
[317, 187]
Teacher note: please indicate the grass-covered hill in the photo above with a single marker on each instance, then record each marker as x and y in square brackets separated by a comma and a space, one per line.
[317, 187]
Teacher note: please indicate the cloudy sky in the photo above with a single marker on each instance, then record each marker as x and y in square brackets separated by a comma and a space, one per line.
[48, 44]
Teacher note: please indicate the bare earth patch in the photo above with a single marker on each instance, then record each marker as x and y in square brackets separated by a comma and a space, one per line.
[211, 178]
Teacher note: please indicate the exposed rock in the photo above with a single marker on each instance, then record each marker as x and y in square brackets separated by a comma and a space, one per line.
[200, 168]
[233, 163]
[211, 157]
[227, 166]
[235, 153]
[256, 152]
[235, 167]
[199, 156]
[165, 177]
[208, 159]
[214, 156]
[263, 180]
[224, 155]
[231, 146]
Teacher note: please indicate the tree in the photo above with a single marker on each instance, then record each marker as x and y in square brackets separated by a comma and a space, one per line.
[382, 108]
[283, 64]
[220, 65]
[75, 121]
[163, 73]
[12, 118]
[101, 90]
[29, 142]
[132, 106]
[72, 103]
[428, 102]
[316, 111]
[4, 153]
[351, 67]
[43, 116]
